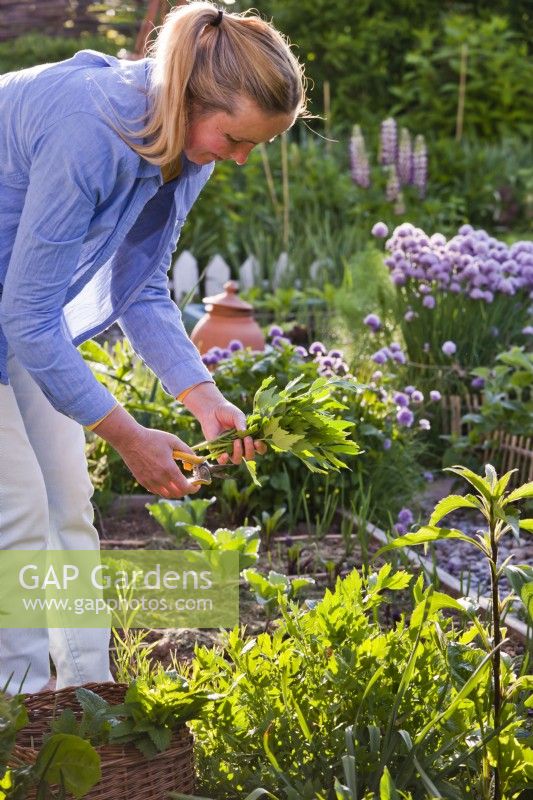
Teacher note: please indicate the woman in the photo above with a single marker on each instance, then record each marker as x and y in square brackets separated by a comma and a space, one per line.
[100, 163]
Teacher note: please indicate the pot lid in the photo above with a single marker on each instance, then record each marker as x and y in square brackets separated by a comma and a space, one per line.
[229, 299]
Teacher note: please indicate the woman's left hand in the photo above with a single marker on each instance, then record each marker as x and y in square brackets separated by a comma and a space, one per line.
[216, 415]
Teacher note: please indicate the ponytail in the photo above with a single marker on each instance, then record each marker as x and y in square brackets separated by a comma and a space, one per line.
[204, 59]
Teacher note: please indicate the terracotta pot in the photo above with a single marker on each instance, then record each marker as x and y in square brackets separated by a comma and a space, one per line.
[227, 317]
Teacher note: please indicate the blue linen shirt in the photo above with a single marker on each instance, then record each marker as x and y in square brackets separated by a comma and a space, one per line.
[87, 230]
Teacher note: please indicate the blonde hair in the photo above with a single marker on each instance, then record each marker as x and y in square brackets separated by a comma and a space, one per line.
[204, 66]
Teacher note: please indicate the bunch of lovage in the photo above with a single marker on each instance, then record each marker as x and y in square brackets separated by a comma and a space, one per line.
[473, 279]
[301, 419]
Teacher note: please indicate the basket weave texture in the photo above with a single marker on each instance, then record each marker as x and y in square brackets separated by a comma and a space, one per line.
[126, 773]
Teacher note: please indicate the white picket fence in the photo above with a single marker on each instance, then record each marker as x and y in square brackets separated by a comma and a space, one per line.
[185, 274]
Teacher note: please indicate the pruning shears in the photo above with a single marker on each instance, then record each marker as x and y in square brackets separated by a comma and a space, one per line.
[202, 470]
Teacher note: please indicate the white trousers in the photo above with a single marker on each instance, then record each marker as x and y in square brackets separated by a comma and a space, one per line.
[45, 502]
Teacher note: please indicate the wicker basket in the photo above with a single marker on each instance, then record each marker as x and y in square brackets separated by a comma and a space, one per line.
[126, 774]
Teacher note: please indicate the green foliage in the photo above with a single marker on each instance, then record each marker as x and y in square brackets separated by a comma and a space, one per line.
[499, 74]
[507, 396]
[268, 589]
[494, 503]
[33, 48]
[188, 511]
[301, 419]
[333, 699]
[243, 540]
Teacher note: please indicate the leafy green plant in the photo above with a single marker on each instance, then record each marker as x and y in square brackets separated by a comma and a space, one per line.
[171, 513]
[268, 589]
[496, 506]
[297, 419]
[269, 524]
[332, 698]
[244, 540]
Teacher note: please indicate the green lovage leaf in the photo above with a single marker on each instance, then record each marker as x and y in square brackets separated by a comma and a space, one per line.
[301, 419]
[452, 503]
[482, 485]
[520, 494]
[426, 534]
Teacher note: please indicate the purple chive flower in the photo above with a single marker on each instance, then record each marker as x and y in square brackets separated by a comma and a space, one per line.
[377, 375]
[405, 417]
[477, 383]
[280, 341]
[317, 349]
[336, 354]
[209, 360]
[380, 230]
[410, 315]
[400, 529]
[373, 322]
[326, 363]
[409, 390]
[380, 357]
[528, 330]
[235, 345]
[341, 368]
[388, 141]
[401, 399]
[387, 444]
[417, 397]
[428, 476]
[428, 301]
[225, 354]
[405, 517]
[301, 351]
[274, 330]
[359, 163]
[435, 396]
[424, 424]
[399, 357]
[449, 348]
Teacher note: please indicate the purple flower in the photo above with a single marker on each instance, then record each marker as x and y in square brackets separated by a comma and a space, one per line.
[225, 354]
[387, 444]
[410, 315]
[301, 351]
[409, 390]
[209, 359]
[373, 321]
[400, 529]
[405, 517]
[399, 357]
[477, 383]
[377, 375]
[280, 341]
[405, 417]
[380, 230]
[388, 141]
[274, 330]
[341, 368]
[326, 363]
[317, 349]
[449, 348]
[235, 345]
[420, 165]
[401, 399]
[528, 330]
[435, 396]
[336, 354]
[424, 424]
[428, 301]
[428, 476]
[417, 396]
[405, 157]
[359, 164]
[380, 357]
[392, 189]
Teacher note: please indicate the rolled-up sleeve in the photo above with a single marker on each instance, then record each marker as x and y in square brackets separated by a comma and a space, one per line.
[155, 329]
[73, 168]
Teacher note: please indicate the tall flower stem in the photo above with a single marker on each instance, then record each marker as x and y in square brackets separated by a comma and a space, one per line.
[497, 638]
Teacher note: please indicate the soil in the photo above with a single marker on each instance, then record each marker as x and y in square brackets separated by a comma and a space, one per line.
[132, 527]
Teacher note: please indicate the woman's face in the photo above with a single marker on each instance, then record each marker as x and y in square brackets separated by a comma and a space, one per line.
[220, 137]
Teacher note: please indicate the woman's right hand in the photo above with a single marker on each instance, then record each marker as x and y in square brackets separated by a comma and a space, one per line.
[147, 453]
